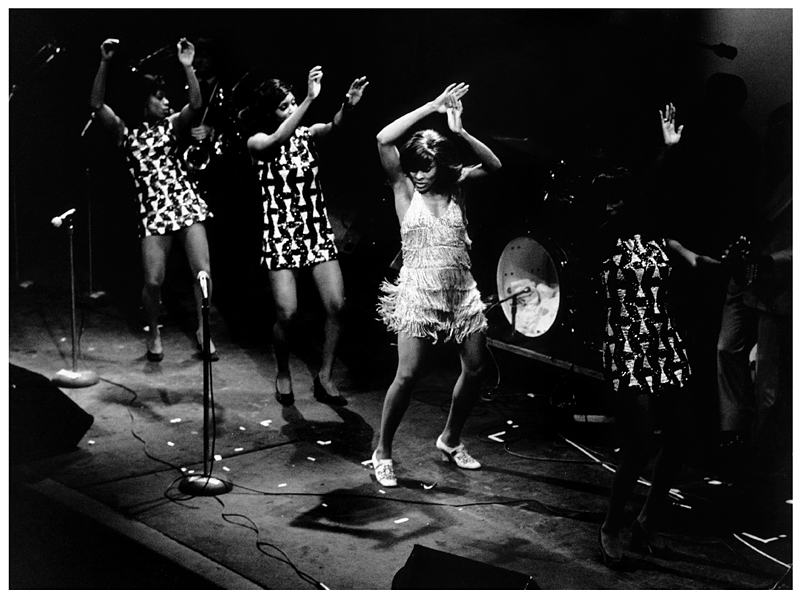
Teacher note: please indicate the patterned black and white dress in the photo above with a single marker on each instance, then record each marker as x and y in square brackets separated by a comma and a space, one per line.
[297, 232]
[167, 199]
[642, 349]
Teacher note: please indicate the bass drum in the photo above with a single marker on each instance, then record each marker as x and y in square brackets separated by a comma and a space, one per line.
[541, 271]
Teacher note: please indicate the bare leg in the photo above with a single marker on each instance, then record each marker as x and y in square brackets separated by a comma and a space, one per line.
[636, 422]
[284, 294]
[666, 467]
[195, 243]
[467, 388]
[328, 278]
[410, 355]
[155, 250]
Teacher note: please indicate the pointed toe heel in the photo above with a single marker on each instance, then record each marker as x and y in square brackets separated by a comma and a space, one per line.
[457, 454]
[384, 471]
[284, 399]
[614, 562]
[320, 395]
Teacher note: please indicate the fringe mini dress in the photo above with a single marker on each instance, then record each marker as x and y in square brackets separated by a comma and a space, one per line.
[168, 201]
[435, 294]
[296, 232]
[642, 349]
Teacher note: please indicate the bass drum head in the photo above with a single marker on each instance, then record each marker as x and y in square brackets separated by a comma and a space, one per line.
[528, 264]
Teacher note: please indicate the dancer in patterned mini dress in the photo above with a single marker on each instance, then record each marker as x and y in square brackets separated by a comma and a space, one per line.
[169, 207]
[297, 233]
[435, 296]
[644, 356]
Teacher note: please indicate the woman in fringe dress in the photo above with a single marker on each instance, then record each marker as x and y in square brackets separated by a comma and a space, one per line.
[435, 296]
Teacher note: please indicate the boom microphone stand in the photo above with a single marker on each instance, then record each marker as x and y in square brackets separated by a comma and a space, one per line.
[206, 484]
[73, 378]
[513, 298]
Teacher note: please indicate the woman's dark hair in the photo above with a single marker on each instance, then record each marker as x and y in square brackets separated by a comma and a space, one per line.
[427, 147]
[610, 185]
[258, 115]
[138, 92]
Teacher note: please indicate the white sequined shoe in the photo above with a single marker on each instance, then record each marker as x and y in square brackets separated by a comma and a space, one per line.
[457, 455]
[384, 471]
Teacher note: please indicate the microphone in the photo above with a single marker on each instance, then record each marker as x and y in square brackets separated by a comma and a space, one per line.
[203, 278]
[57, 221]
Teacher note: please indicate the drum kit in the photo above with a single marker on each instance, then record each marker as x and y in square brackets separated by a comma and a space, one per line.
[547, 295]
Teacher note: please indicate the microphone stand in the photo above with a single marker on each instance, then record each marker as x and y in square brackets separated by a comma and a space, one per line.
[206, 484]
[92, 293]
[73, 378]
[513, 298]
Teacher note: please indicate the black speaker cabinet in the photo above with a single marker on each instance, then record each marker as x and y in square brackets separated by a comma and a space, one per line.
[42, 420]
[431, 569]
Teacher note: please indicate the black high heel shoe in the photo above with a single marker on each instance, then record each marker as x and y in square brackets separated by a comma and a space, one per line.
[284, 399]
[323, 396]
[642, 544]
[153, 356]
[608, 559]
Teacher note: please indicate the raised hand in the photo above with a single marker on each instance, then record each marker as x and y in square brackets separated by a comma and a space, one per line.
[671, 134]
[185, 52]
[439, 104]
[356, 90]
[314, 82]
[454, 110]
[108, 48]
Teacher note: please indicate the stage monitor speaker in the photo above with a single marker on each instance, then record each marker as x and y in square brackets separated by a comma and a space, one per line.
[43, 421]
[428, 568]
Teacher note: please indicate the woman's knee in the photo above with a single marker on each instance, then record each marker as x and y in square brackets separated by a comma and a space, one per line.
[473, 367]
[406, 377]
[334, 307]
[153, 282]
[286, 317]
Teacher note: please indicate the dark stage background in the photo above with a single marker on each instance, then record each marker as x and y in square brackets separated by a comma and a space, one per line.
[545, 86]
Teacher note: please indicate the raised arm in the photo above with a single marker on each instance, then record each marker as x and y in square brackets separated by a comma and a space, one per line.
[392, 133]
[672, 135]
[103, 112]
[263, 143]
[183, 121]
[353, 97]
[489, 162]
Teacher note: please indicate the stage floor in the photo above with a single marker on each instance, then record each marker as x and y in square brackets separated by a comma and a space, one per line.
[305, 512]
